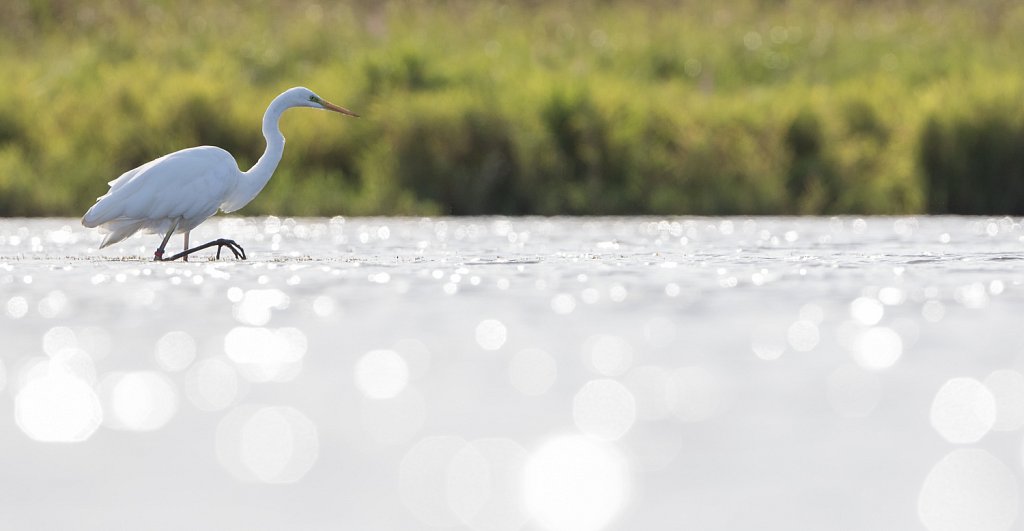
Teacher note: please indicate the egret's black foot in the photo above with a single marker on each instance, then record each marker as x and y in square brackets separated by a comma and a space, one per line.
[232, 246]
[220, 243]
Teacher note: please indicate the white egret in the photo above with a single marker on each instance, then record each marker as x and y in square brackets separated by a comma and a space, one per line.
[177, 192]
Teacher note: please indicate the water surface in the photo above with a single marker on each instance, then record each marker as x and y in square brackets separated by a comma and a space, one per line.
[516, 373]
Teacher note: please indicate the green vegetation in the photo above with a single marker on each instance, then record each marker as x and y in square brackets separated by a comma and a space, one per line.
[594, 107]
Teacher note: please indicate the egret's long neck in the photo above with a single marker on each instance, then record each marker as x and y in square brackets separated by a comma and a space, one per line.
[253, 181]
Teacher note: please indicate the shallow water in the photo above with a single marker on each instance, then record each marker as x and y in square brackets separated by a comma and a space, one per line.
[516, 373]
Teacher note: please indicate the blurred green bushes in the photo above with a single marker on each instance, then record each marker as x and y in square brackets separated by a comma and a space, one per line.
[592, 107]
[975, 160]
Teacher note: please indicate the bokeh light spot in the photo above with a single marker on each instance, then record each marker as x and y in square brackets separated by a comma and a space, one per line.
[75, 361]
[57, 339]
[803, 335]
[812, 312]
[57, 407]
[575, 483]
[255, 306]
[1007, 387]
[175, 351]
[867, 311]
[491, 334]
[969, 490]
[212, 384]
[17, 307]
[768, 343]
[963, 411]
[933, 311]
[423, 479]
[653, 391]
[269, 444]
[52, 304]
[324, 306]
[140, 401]
[607, 354]
[264, 355]
[485, 487]
[563, 303]
[381, 374]
[891, 296]
[604, 409]
[877, 347]
[416, 355]
[617, 292]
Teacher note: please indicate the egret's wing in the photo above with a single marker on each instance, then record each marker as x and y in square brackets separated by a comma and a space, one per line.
[118, 230]
[189, 184]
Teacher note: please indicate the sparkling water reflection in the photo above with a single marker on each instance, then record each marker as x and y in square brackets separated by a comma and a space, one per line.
[517, 373]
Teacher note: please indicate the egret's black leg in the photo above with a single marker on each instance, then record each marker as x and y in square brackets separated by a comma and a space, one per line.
[159, 254]
[230, 244]
[185, 258]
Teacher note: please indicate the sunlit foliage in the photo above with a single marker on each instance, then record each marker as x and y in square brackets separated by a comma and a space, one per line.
[523, 107]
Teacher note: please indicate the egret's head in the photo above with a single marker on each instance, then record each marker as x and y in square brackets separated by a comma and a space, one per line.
[303, 97]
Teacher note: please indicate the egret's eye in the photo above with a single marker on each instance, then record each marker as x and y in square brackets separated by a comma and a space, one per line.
[314, 99]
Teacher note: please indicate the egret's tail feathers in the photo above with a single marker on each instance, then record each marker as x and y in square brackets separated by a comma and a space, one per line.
[97, 215]
[119, 230]
[89, 220]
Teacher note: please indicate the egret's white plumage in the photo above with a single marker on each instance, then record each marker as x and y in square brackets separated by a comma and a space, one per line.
[187, 186]
[177, 192]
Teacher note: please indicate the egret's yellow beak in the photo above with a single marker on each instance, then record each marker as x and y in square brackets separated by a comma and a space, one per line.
[332, 107]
